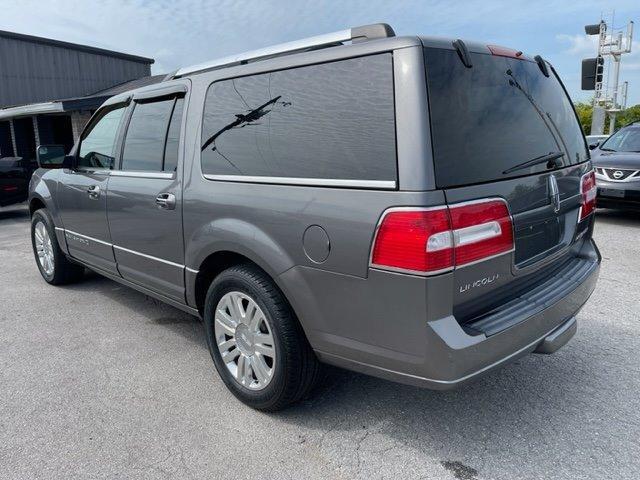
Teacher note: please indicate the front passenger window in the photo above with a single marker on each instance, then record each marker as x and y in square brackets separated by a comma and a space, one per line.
[97, 149]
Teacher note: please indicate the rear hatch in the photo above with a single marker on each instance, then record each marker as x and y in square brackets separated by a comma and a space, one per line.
[503, 127]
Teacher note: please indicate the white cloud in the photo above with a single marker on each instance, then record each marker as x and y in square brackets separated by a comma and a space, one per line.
[579, 45]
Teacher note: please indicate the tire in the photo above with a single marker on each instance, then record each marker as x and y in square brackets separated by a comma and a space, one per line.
[58, 270]
[294, 369]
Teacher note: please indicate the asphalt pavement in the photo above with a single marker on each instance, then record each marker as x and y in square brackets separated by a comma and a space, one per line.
[99, 381]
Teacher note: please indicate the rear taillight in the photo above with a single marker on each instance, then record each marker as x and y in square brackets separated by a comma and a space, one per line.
[414, 240]
[481, 230]
[588, 192]
[435, 240]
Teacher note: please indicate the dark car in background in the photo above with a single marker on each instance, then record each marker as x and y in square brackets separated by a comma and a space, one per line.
[15, 173]
[617, 163]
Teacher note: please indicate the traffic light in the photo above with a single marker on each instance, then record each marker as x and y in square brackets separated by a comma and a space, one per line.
[594, 29]
[592, 69]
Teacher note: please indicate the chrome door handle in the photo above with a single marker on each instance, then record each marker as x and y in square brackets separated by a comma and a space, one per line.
[166, 201]
[93, 191]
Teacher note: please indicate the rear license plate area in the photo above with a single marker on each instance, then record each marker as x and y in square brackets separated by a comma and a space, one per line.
[536, 237]
[611, 192]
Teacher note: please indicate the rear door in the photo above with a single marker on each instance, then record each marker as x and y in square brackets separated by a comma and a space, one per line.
[504, 129]
[145, 195]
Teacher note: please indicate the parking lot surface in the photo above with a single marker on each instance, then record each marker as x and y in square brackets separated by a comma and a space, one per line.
[99, 381]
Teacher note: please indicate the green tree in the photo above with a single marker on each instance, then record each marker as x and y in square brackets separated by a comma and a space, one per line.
[631, 114]
[585, 111]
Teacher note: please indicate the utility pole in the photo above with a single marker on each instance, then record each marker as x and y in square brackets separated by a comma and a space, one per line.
[609, 96]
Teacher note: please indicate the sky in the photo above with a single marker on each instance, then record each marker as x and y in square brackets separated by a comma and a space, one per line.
[185, 32]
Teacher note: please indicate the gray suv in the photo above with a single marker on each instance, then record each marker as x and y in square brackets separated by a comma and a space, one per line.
[413, 208]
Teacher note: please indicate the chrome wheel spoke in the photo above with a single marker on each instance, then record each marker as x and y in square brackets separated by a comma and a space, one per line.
[225, 321]
[234, 303]
[263, 349]
[260, 369]
[244, 373]
[228, 350]
[230, 355]
[263, 339]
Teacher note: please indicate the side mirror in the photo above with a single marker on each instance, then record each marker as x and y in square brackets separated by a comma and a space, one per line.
[593, 146]
[52, 156]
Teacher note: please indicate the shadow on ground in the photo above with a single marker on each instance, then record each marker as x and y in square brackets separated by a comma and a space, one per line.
[16, 212]
[618, 217]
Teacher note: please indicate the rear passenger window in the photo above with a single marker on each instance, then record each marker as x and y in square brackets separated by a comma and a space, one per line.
[173, 138]
[151, 142]
[329, 121]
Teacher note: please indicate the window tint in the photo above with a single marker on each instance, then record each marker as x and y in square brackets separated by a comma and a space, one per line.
[173, 138]
[331, 121]
[498, 114]
[145, 140]
[97, 149]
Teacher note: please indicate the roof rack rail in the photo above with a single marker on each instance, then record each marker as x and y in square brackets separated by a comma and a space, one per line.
[355, 34]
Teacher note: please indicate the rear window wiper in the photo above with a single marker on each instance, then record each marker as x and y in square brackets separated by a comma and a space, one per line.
[550, 159]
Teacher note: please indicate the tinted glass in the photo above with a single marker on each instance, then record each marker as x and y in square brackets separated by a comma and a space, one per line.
[97, 149]
[145, 139]
[333, 121]
[624, 140]
[498, 114]
[173, 138]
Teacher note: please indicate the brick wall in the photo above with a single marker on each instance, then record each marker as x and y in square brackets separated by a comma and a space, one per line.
[13, 138]
[78, 122]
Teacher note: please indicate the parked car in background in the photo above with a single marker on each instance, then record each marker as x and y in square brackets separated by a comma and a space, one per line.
[594, 140]
[617, 163]
[15, 173]
[311, 204]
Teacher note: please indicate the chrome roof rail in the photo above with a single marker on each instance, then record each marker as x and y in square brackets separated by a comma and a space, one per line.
[355, 34]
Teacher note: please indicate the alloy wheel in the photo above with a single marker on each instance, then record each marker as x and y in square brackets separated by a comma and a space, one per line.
[44, 248]
[245, 341]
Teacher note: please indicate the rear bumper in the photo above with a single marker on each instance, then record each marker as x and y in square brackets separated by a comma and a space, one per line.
[441, 355]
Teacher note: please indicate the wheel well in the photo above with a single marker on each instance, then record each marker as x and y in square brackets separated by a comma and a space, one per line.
[210, 268]
[35, 204]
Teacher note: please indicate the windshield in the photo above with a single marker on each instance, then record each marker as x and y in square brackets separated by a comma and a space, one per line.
[626, 139]
[500, 113]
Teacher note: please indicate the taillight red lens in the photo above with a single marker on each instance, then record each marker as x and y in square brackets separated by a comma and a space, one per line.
[436, 240]
[414, 240]
[481, 230]
[588, 191]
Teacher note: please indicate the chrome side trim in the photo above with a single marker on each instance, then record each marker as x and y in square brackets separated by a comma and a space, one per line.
[142, 174]
[133, 252]
[71, 232]
[150, 257]
[191, 270]
[59, 229]
[319, 182]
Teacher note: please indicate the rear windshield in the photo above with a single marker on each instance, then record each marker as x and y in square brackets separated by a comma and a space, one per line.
[497, 114]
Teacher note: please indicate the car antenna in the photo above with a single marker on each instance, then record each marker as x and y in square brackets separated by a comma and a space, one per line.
[463, 52]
